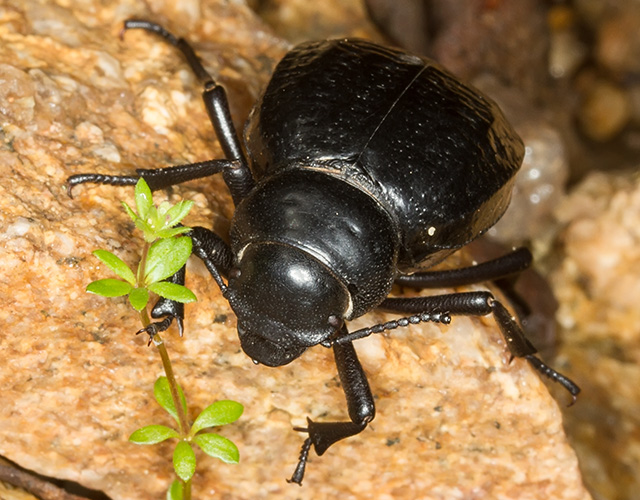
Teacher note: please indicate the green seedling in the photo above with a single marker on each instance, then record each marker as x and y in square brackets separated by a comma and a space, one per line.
[166, 250]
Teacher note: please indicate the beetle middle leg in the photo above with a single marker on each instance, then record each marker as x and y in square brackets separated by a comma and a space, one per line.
[503, 268]
[157, 178]
[506, 266]
[466, 303]
[503, 271]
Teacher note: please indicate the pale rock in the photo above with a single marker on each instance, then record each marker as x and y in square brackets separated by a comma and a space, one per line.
[598, 285]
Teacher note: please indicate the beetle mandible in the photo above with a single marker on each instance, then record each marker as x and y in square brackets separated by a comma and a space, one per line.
[364, 166]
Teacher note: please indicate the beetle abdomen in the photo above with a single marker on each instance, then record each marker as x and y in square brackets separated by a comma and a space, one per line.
[435, 153]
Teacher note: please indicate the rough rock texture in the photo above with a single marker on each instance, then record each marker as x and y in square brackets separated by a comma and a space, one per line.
[454, 419]
[598, 285]
[300, 20]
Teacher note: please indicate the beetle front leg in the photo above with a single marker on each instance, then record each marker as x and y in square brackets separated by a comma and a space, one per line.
[359, 403]
[167, 309]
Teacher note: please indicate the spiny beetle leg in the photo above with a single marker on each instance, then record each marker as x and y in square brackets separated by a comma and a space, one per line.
[159, 178]
[521, 347]
[239, 180]
[360, 406]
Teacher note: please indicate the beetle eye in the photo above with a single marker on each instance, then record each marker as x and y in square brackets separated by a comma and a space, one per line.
[235, 272]
[335, 321]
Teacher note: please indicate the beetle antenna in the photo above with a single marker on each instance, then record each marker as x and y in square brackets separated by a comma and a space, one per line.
[443, 318]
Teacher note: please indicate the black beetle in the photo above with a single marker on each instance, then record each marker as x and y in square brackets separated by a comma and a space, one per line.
[366, 166]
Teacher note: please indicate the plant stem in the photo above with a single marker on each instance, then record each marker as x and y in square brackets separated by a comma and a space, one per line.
[186, 490]
[173, 386]
[183, 423]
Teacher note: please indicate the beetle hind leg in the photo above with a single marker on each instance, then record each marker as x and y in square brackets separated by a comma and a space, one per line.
[521, 347]
[476, 304]
[360, 406]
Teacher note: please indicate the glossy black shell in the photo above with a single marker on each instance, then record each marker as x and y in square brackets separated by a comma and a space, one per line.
[437, 155]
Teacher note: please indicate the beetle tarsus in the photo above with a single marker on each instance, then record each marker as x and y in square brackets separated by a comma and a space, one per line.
[298, 474]
[113, 180]
[154, 328]
[564, 381]
[130, 24]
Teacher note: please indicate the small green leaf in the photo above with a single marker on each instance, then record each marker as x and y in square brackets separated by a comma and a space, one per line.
[152, 434]
[109, 288]
[166, 257]
[162, 394]
[116, 264]
[138, 298]
[130, 212]
[219, 413]
[144, 199]
[175, 491]
[184, 461]
[172, 291]
[178, 212]
[217, 446]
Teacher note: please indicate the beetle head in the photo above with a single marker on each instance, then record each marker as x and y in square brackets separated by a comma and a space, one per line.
[285, 301]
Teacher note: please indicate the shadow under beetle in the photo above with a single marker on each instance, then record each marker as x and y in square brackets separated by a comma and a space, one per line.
[365, 166]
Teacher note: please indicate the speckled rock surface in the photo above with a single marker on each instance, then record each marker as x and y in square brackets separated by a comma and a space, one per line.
[598, 285]
[454, 419]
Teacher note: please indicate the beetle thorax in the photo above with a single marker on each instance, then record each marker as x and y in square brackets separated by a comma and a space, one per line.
[329, 220]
